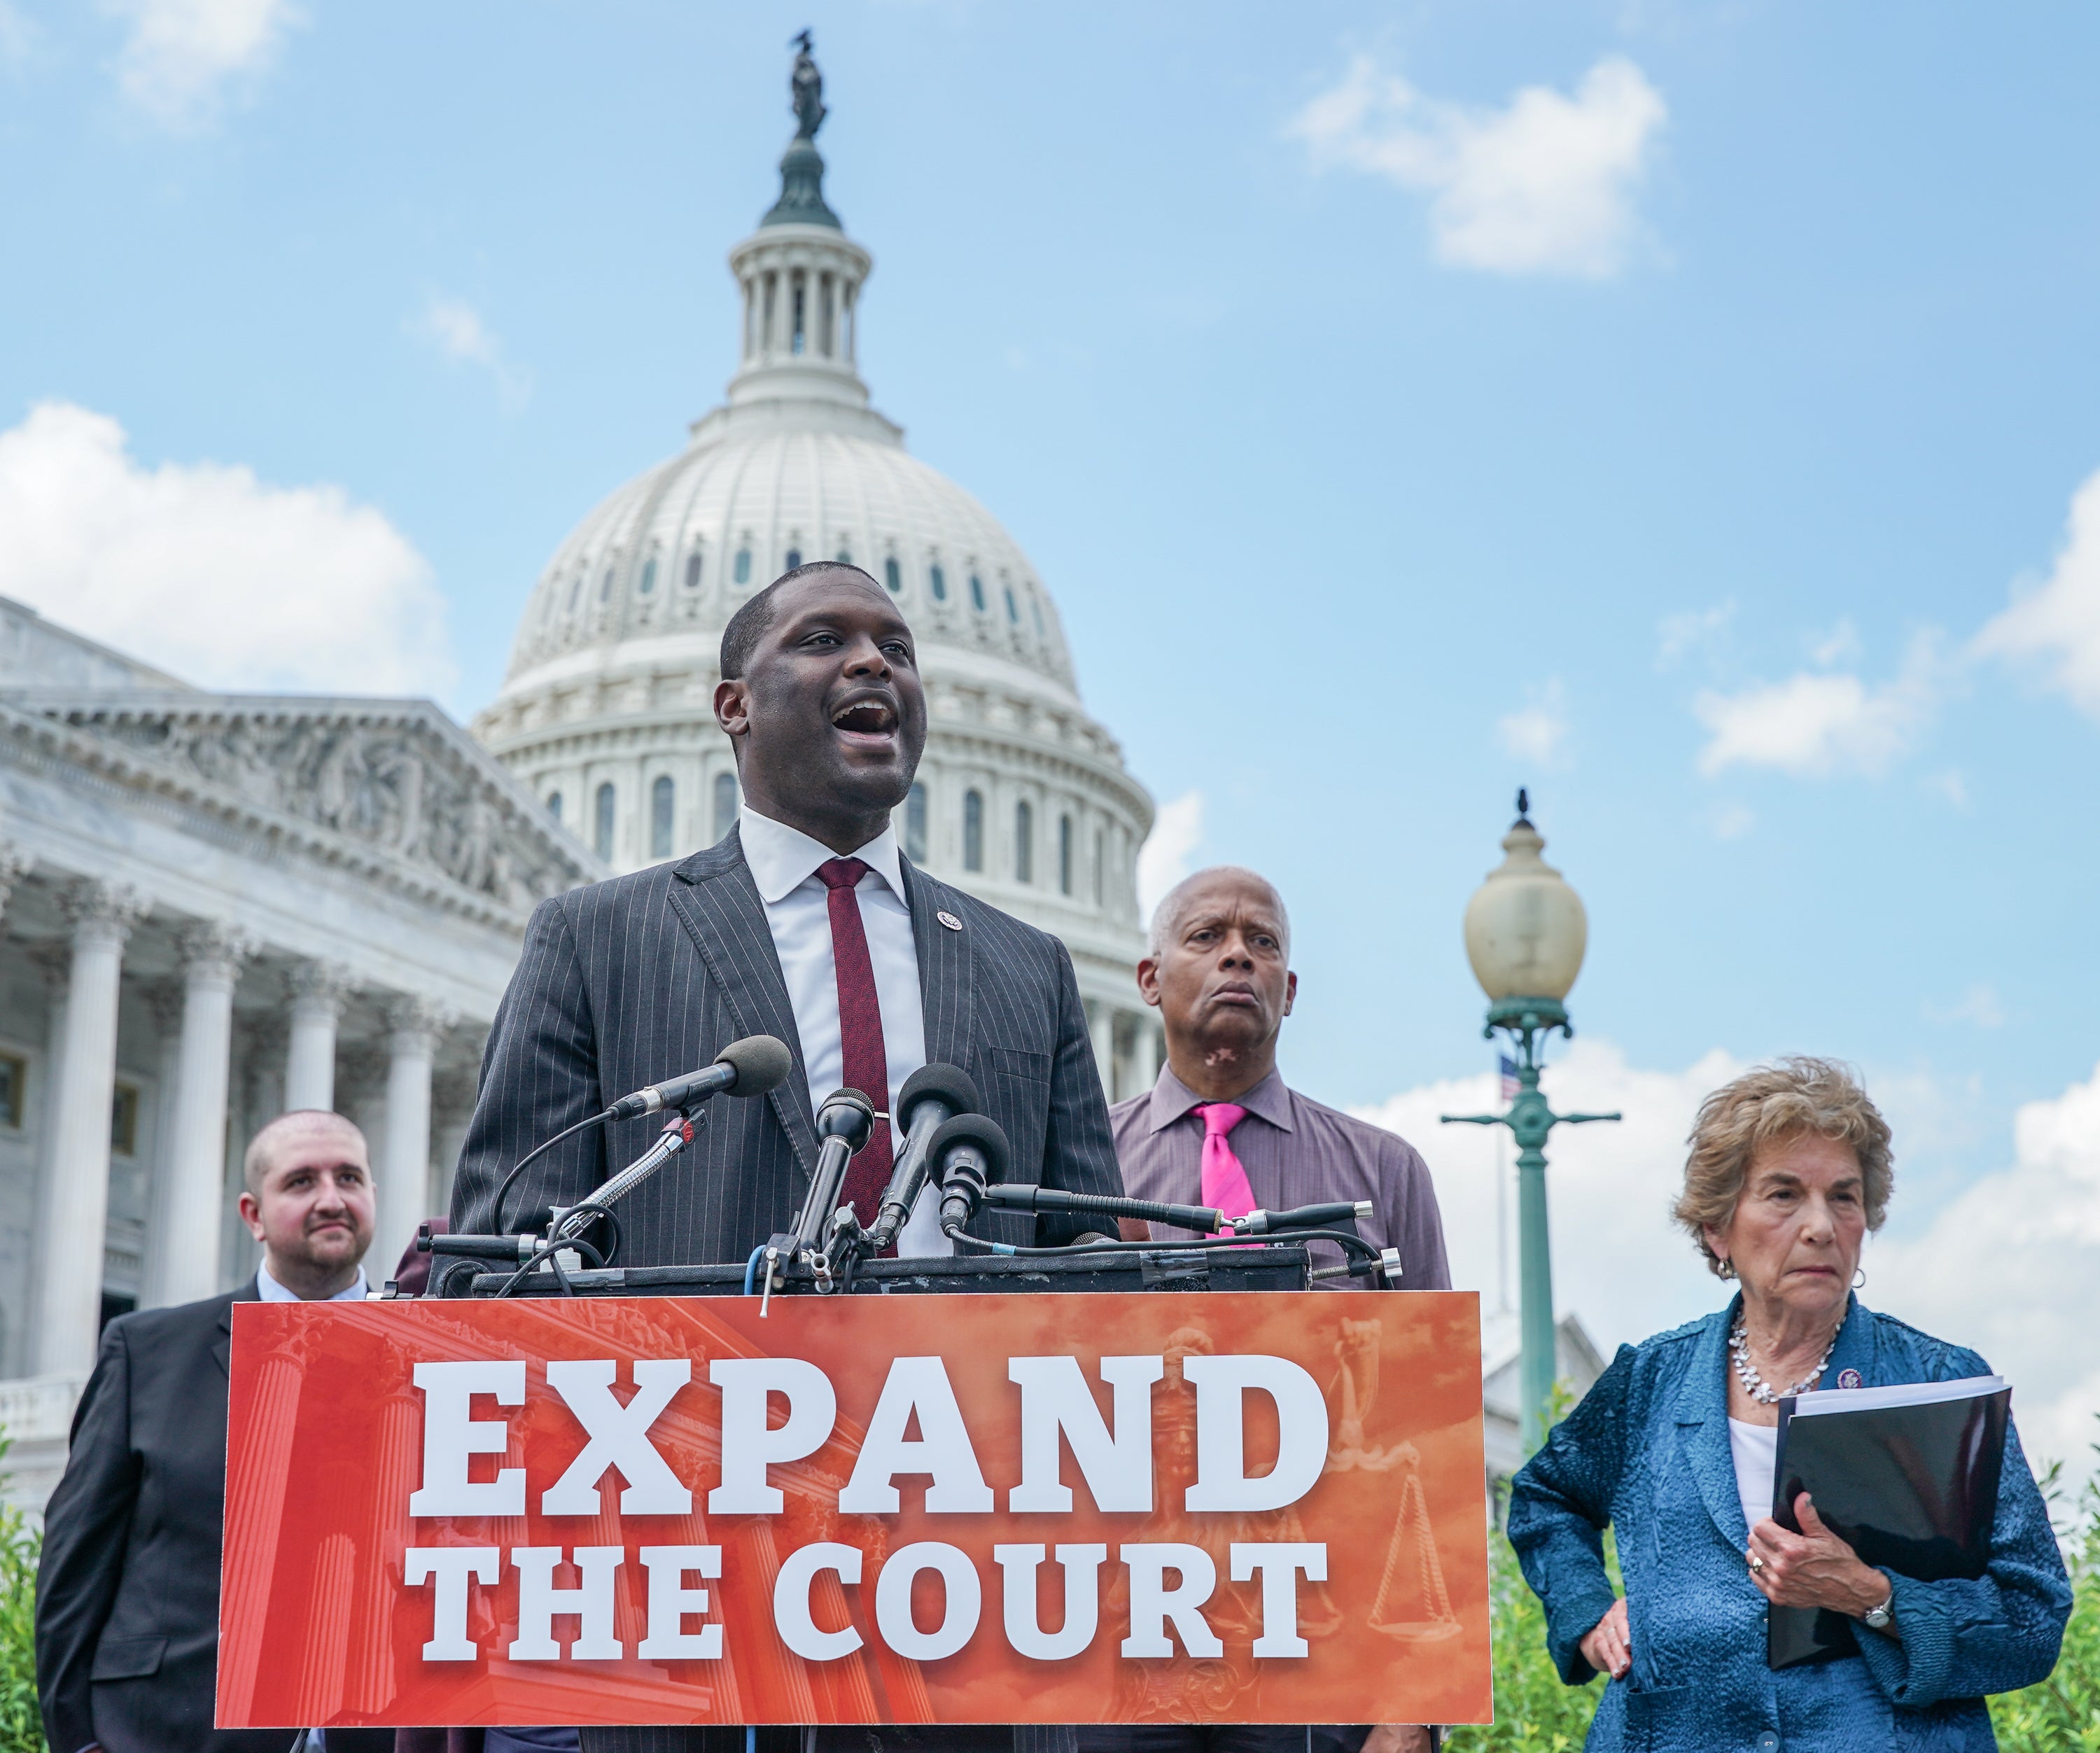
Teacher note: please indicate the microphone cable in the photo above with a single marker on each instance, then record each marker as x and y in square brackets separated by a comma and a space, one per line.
[550, 1251]
[503, 1191]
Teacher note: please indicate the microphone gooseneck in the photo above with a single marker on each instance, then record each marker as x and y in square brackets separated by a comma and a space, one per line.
[748, 1067]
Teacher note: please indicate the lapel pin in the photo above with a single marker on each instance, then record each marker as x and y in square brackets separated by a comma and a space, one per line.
[950, 921]
[1848, 1379]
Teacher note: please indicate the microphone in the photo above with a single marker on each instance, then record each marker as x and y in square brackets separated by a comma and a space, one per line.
[932, 1096]
[1300, 1217]
[748, 1067]
[845, 1123]
[969, 1150]
[1021, 1197]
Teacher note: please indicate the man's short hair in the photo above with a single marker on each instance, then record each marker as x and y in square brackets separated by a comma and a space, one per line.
[747, 625]
[1166, 916]
[257, 1163]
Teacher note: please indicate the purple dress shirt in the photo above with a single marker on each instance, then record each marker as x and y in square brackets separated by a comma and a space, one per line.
[1295, 1152]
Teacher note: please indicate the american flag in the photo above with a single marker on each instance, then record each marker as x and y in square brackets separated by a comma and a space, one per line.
[1509, 1078]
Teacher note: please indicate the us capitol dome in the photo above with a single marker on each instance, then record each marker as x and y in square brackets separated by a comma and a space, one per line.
[606, 711]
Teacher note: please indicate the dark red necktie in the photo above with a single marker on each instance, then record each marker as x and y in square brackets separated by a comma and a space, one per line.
[866, 1064]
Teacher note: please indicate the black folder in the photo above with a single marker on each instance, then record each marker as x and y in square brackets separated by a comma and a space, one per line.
[1908, 1476]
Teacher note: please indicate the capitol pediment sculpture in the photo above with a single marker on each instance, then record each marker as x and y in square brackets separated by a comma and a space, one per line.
[386, 780]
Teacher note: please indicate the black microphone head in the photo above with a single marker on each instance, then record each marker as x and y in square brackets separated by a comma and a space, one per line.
[979, 1129]
[849, 1115]
[948, 1084]
[761, 1062]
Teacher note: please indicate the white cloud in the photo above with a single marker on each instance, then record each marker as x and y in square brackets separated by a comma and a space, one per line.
[1542, 186]
[1169, 851]
[1816, 724]
[2058, 624]
[1617, 1261]
[456, 328]
[1538, 732]
[1952, 786]
[2006, 1267]
[222, 579]
[180, 53]
[1979, 1005]
[1680, 635]
[19, 36]
[1732, 821]
[1840, 645]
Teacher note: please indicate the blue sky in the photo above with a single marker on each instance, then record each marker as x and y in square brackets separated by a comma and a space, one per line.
[1662, 405]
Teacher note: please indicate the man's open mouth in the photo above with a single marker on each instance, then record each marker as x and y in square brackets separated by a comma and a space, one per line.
[867, 717]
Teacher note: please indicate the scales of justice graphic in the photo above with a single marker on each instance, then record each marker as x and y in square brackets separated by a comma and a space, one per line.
[1412, 1603]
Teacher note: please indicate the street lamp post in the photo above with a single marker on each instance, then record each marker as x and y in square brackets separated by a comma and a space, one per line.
[1525, 934]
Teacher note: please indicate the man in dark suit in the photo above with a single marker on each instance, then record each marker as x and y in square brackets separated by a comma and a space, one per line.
[803, 922]
[127, 1592]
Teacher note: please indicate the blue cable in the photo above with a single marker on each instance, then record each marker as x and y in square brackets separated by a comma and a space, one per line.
[751, 1289]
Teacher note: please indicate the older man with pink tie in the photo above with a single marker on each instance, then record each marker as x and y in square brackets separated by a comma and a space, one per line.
[1221, 1128]
[1219, 969]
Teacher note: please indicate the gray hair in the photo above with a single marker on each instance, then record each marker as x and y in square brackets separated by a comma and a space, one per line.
[1174, 902]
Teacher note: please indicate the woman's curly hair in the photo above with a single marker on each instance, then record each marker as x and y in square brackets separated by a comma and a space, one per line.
[1764, 1106]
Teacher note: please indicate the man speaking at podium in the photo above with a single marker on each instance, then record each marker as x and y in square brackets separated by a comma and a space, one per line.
[803, 922]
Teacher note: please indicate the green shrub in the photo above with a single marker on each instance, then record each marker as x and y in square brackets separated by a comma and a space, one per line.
[21, 1727]
[1534, 1710]
[2062, 1714]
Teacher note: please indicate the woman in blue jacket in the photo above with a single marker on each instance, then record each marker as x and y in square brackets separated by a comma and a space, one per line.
[1790, 1168]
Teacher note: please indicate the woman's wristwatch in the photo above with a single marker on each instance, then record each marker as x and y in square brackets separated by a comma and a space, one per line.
[1878, 1617]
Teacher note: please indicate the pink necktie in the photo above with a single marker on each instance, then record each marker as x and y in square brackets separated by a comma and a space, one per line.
[1224, 1178]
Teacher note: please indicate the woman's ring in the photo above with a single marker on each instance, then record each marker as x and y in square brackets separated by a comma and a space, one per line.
[1756, 1562]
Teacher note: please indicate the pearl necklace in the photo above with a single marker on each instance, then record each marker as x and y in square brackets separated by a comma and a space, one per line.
[1754, 1385]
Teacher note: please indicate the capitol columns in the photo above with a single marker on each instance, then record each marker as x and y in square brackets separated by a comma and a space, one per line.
[318, 991]
[413, 1027]
[66, 1308]
[182, 1260]
[1147, 1052]
[14, 866]
[1100, 1025]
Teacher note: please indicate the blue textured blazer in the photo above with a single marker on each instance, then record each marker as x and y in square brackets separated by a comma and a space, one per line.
[1647, 1452]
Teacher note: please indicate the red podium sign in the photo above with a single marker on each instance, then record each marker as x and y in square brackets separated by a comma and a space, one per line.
[1222, 1507]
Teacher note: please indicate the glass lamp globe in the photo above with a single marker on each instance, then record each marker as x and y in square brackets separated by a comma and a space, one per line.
[1525, 928]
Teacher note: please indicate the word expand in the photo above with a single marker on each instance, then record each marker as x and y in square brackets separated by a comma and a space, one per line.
[1115, 1462]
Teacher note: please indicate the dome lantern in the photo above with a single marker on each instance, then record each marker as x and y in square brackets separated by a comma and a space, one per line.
[801, 276]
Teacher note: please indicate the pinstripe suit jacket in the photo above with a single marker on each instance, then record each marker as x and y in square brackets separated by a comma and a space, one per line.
[627, 982]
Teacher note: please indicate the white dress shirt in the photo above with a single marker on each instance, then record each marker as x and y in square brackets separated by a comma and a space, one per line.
[270, 1290]
[783, 862]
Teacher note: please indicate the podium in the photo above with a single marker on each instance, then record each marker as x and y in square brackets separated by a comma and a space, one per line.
[1037, 1488]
